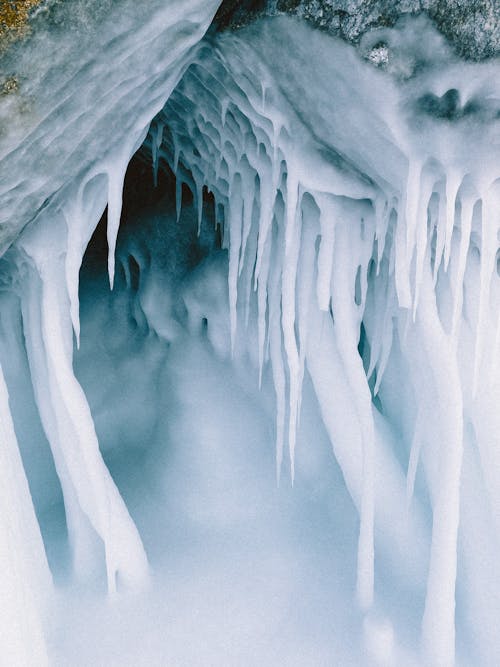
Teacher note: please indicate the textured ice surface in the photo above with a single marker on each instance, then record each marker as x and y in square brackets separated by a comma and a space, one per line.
[86, 96]
[316, 273]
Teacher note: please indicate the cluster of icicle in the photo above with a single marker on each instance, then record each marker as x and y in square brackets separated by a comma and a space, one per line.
[350, 274]
[355, 279]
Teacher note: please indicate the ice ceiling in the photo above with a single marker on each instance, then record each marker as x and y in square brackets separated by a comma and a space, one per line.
[250, 336]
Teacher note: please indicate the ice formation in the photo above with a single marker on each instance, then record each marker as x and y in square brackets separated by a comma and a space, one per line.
[356, 290]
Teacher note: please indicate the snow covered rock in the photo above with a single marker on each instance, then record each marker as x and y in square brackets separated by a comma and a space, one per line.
[471, 26]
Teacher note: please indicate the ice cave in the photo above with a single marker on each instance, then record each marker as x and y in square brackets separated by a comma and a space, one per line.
[249, 333]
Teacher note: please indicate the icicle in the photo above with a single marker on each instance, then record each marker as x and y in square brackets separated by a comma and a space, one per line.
[421, 232]
[177, 152]
[73, 263]
[88, 489]
[438, 625]
[305, 281]
[262, 288]
[267, 199]
[416, 446]
[412, 204]
[325, 256]
[278, 124]
[453, 181]
[105, 507]
[465, 232]
[292, 245]
[26, 581]
[116, 177]
[178, 195]
[156, 141]
[489, 242]
[346, 335]
[440, 232]
[381, 206]
[277, 365]
[247, 261]
[335, 400]
[235, 206]
[198, 183]
[380, 310]
[248, 185]
[82, 215]
[81, 537]
[386, 344]
[402, 268]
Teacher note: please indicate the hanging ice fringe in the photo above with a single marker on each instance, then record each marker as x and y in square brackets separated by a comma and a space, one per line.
[349, 251]
[92, 502]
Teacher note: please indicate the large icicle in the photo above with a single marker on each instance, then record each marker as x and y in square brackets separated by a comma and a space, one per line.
[438, 631]
[25, 583]
[81, 213]
[91, 497]
[288, 315]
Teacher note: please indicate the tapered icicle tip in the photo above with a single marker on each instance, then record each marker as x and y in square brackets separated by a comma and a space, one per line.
[111, 269]
[116, 178]
[76, 330]
[72, 286]
[116, 587]
[292, 470]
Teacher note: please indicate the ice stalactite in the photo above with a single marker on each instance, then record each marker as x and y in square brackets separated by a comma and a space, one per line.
[26, 581]
[351, 251]
[93, 504]
[80, 213]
